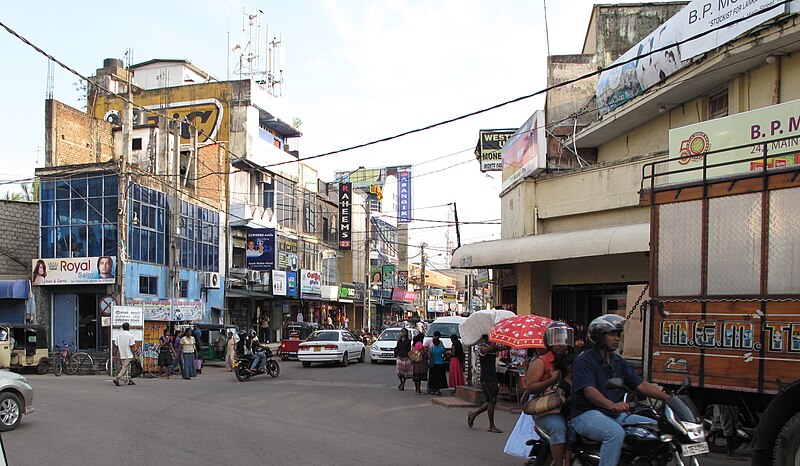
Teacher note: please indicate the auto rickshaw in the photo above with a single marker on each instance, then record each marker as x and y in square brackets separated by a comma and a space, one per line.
[24, 345]
[294, 333]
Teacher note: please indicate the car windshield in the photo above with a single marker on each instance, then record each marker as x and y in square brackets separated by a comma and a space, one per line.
[324, 336]
[390, 335]
[446, 329]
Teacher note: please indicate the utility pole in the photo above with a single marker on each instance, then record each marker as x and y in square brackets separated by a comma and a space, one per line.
[458, 227]
[122, 207]
[423, 290]
[367, 248]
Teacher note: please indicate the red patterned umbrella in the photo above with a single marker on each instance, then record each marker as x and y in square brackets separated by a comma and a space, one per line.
[522, 331]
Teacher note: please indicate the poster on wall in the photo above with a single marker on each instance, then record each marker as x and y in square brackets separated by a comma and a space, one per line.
[403, 196]
[74, 270]
[278, 283]
[388, 277]
[345, 216]
[260, 250]
[525, 153]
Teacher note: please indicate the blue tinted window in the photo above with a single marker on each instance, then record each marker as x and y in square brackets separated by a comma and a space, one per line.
[95, 240]
[48, 240]
[96, 210]
[136, 192]
[110, 186]
[109, 240]
[62, 242]
[110, 209]
[95, 186]
[47, 191]
[78, 211]
[135, 244]
[62, 189]
[78, 186]
[48, 212]
[78, 241]
[62, 212]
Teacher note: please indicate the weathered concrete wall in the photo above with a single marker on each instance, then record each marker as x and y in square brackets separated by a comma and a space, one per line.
[19, 238]
[74, 137]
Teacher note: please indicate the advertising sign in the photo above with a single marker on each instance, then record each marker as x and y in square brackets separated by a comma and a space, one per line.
[388, 276]
[402, 279]
[376, 276]
[167, 310]
[133, 315]
[287, 254]
[74, 270]
[345, 216]
[278, 283]
[310, 283]
[778, 126]
[525, 153]
[403, 196]
[291, 284]
[490, 145]
[260, 248]
[620, 84]
[187, 310]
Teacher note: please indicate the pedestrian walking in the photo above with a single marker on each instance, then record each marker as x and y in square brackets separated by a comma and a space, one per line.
[437, 379]
[198, 359]
[488, 359]
[403, 364]
[188, 349]
[177, 358]
[419, 362]
[165, 353]
[230, 351]
[456, 378]
[125, 344]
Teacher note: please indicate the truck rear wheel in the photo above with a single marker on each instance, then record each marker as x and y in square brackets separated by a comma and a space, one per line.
[787, 446]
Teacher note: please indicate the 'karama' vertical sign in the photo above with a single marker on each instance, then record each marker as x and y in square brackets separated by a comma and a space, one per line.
[404, 196]
[345, 213]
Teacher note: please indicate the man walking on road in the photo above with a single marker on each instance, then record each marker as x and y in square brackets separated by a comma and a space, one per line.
[488, 358]
[125, 343]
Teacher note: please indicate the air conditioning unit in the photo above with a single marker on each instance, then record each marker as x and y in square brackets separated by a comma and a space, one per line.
[254, 276]
[211, 280]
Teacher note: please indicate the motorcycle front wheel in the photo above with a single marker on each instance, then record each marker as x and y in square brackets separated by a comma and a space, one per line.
[273, 368]
[242, 374]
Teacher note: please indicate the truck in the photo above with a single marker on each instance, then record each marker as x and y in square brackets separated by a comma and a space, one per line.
[724, 277]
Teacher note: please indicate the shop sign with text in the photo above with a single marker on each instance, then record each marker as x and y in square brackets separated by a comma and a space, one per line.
[345, 216]
[310, 283]
[404, 196]
[74, 270]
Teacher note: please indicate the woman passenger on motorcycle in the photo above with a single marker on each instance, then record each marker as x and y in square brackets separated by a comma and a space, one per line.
[541, 379]
[565, 384]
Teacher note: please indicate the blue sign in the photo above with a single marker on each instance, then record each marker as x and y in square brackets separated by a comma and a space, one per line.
[403, 196]
[260, 250]
[291, 284]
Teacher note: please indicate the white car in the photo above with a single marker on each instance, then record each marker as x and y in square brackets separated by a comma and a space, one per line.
[331, 346]
[16, 399]
[383, 348]
[446, 326]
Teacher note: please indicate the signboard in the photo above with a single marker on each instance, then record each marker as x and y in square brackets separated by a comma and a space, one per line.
[402, 279]
[403, 196]
[388, 276]
[187, 309]
[402, 295]
[376, 276]
[525, 153]
[310, 283]
[489, 150]
[330, 293]
[133, 315]
[278, 283]
[260, 250]
[483, 277]
[291, 284]
[349, 292]
[436, 292]
[287, 254]
[778, 126]
[620, 84]
[74, 270]
[345, 216]
[167, 310]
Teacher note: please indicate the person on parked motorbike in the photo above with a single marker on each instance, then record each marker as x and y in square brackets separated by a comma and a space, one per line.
[599, 413]
[258, 352]
[542, 378]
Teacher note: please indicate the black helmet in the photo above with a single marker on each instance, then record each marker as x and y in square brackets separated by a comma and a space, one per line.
[559, 333]
[608, 323]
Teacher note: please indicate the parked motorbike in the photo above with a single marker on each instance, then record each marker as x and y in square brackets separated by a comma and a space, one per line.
[678, 435]
[267, 365]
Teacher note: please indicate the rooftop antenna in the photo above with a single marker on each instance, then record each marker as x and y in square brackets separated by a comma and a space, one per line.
[250, 49]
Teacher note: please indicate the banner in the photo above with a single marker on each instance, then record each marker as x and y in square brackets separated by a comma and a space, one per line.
[490, 145]
[622, 83]
[525, 153]
[388, 276]
[278, 283]
[260, 248]
[376, 276]
[776, 125]
[345, 216]
[402, 279]
[403, 196]
[310, 284]
[291, 284]
[167, 310]
[74, 270]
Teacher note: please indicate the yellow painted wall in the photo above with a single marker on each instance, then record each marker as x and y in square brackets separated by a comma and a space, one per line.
[790, 85]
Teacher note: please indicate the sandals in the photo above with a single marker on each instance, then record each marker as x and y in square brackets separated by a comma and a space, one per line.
[470, 419]
[494, 430]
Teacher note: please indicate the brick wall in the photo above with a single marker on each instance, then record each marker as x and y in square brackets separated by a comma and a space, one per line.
[211, 182]
[19, 237]
[74, 137]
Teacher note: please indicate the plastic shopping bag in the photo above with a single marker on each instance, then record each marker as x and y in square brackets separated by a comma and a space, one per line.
[523, 431]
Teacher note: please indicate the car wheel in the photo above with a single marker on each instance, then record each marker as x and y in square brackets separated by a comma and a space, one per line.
[10, 412]
[306, 364]
[42, 367]
[373, 361]
[363, 356]
[345, 359]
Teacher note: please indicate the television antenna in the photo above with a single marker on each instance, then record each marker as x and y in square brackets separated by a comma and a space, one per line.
[262, 63]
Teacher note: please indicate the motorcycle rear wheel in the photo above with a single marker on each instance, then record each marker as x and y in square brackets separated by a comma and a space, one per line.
[242, 374]
[273, 369]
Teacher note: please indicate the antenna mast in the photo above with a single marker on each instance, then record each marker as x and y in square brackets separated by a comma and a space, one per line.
[249, 51]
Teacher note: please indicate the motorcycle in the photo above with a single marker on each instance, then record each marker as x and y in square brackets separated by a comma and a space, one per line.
[745, 430]
[267, 365]
[677, 435]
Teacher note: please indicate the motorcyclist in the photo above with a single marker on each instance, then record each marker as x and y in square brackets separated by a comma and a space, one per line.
[258, 352]
[542, 376]
[599, 413]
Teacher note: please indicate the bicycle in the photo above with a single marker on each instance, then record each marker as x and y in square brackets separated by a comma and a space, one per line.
[135, 370]
[78, 362]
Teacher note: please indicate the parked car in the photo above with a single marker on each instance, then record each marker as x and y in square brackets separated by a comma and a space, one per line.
[331, 346]
[383, 348]
[446, 326]
[16, 399]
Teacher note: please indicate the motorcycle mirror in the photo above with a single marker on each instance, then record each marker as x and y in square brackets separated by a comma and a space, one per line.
[615, 384]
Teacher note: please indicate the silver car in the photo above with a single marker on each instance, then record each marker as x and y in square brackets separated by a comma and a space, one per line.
[16, 399]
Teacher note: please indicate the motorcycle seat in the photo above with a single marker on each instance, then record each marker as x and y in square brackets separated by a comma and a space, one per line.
[586, 444]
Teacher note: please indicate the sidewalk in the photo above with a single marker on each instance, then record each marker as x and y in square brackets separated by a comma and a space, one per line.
[452, 401]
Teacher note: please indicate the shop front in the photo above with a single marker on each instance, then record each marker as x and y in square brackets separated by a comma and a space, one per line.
[351, 300]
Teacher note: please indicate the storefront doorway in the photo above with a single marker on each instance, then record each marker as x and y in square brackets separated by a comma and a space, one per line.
[77, 321]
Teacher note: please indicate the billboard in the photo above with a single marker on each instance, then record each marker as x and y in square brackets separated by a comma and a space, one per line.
[310, 284]
[490, 145]
[278, 283]
[287, 254]
[388, 276]
[620, 84]
[291, 284]
[777, 127]
[525, 153]
[260, 252]
[403, 196]
[345, 216]
[74, 270]
[167, 310]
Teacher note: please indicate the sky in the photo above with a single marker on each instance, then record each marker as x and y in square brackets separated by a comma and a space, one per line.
[355, 71]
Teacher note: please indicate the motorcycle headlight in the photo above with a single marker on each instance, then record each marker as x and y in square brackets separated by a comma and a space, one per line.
[692, 430]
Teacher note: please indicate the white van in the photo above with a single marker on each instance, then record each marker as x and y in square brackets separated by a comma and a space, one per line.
[446, 326]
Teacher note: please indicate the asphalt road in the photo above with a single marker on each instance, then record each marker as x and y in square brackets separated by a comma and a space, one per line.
[319, 415]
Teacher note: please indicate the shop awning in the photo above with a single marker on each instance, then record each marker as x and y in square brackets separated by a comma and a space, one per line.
[237, 293]
[554, 246]
[15, 289]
